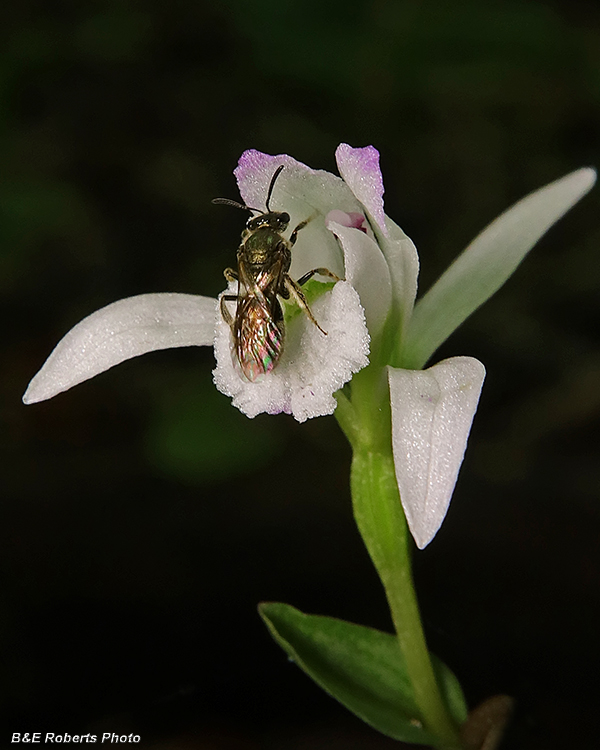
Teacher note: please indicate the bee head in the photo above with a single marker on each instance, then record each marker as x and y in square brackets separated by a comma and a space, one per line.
[276, 220]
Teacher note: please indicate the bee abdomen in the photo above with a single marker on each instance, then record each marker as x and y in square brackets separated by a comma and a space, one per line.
[259, 342]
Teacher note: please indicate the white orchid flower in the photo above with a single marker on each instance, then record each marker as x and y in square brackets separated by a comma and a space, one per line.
[313, 366]
[348, 233]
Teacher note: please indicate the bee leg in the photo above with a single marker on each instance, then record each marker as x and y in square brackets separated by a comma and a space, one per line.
[321, 271]
[294, 234]
[292, 288]
[230, 276]
[224, 311]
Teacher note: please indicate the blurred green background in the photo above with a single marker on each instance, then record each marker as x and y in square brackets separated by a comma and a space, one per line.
[142, 516]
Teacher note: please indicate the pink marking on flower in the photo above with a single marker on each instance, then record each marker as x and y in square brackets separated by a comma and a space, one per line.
[360, 170]
[354, 220]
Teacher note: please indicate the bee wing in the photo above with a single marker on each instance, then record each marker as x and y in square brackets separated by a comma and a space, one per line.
[258, 335]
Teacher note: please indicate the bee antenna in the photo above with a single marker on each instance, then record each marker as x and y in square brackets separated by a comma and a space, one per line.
[235, 204]
[278, 171]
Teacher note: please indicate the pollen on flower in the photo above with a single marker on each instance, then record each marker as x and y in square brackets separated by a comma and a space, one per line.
[313, 366]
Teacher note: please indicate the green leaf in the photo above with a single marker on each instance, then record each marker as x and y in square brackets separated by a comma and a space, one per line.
[362, 668]
[486, 264]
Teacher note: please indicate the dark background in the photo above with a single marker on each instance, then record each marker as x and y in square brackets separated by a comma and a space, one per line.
[142, 517]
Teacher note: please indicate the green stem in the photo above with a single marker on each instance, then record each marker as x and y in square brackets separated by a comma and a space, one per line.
[382, 524]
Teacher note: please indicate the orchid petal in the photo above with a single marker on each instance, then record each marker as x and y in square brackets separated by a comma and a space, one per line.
[367, 271]
[360, 169]
[120, 331]
[432, 412]
[487, 263]
[403, 262]
[306, 194]
[313, 366]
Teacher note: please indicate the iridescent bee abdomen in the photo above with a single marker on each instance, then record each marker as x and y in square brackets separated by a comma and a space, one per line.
[259, 335]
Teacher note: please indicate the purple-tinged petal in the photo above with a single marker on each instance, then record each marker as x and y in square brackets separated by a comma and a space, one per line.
[360, 169]
[306, 194]
[255, 171]
[432, 412]
[120, 331]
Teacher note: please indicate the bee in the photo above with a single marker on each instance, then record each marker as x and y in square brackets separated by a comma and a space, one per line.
[264, 258]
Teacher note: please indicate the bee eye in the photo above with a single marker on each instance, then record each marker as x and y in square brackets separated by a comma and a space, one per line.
[284, 218]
